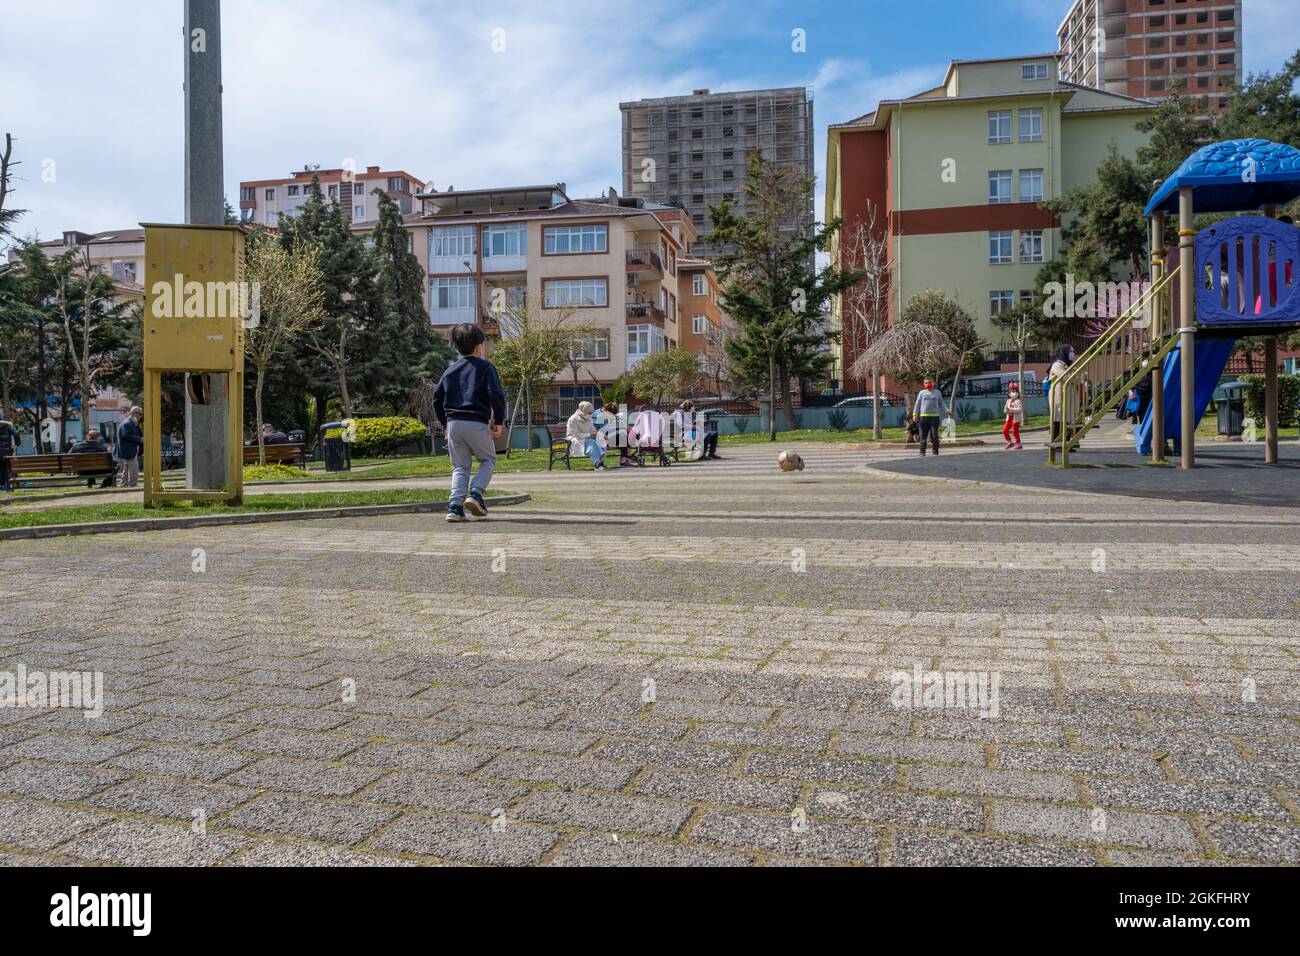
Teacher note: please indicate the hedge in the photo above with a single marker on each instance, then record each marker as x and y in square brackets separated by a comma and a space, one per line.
[377, 437]
[1288, 399]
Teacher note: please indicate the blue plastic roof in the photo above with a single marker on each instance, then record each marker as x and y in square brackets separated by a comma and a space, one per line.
[1234, 175]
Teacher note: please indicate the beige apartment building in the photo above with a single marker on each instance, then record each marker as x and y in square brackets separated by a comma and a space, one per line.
[263, 201]
[1144, 48]
[610, 263]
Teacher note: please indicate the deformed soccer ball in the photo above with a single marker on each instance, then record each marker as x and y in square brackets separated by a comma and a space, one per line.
[789, 461]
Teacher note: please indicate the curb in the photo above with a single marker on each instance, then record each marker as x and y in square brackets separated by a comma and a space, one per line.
[263, 517]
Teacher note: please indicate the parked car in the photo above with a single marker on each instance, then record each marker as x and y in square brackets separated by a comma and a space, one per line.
[982, 386]
[860, 400]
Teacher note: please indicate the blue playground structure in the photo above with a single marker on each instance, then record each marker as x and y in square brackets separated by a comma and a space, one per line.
[1238, 277]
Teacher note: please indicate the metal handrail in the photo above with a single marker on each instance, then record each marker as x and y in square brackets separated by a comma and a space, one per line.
[1130, 348]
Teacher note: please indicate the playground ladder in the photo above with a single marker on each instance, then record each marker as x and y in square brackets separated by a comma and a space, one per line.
[1133, 346]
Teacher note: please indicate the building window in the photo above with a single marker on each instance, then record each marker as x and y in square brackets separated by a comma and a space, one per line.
[999, 248]
[396, 184]
[272, 217]
[572, 240]
[1001, 301]
[334, 190]
[728, 174]
[509, 240]
[700, 325]
[1031, 126]
[999, 127]
[575, 293]
[451, 241]
[1031, 245]
[359, 211]
[457, 293]
[123, 271]
[293, 190]
[1031, 185]
[247, 193]
[644, 339]
[1033, 71]
[999, 186]
[699, 286]
[270, 195]
[591, 348]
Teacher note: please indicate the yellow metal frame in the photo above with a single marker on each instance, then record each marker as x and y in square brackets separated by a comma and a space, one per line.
[1078, 416]
[187, 335]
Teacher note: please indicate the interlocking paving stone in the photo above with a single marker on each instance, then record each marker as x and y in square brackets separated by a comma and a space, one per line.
[293, 743]
[608, 813]
[170, 798]
[404, 728]
[730, 791]
[590, 849]
[1099, 762]
[1256, 841]
[515, 738]
[1078, 825]
[138, 843]
[905, 809]
[313, 819]
[56, 782]
[303, 776]
[295, 718]
[434, 792]
[185, 731]
[421, 757]
[993, 783]
[686, 756]
[777, 834]
[273, 853]
[565, 772]
[1179, 798]
[918, 848]
[69, 749]
[182, 762]
[39, 827]
[830, 770]
[1222, 770]
[468, 841]
[896, 748]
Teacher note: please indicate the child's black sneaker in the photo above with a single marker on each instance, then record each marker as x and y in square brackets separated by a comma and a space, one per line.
[475, 506]
[456, 513]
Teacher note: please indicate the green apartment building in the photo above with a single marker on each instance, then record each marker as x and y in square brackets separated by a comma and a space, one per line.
[955, 174]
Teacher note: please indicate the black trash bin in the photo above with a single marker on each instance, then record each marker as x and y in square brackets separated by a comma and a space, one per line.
[335, 452]
[1232, 412]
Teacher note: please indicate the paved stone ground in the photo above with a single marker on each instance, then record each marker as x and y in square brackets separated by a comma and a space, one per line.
[501, 716]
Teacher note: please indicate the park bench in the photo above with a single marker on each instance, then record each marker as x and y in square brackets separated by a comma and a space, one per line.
[62, 467]
[290, 453]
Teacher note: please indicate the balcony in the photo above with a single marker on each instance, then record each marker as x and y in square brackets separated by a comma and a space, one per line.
[644, 260]
[641, 313]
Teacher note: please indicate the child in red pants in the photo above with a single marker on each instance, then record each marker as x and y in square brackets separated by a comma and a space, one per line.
[1015, 415]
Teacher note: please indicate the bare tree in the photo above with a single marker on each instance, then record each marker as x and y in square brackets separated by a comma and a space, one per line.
[908, 353]
[7, 164]
[534, 348]
[291, 300]
[864, 307]
[85, 302]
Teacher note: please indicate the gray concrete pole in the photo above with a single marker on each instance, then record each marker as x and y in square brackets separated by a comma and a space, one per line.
[205, 425]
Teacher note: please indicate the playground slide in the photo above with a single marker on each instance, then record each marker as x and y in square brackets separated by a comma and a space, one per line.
[1211, 357]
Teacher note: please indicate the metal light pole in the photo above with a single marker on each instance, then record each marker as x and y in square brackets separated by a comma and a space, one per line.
[205, 425]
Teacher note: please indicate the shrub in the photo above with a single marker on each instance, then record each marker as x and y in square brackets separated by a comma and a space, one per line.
[964, 412]
[1288, 398]
[377, 437]
[273, 472]
[838, 419]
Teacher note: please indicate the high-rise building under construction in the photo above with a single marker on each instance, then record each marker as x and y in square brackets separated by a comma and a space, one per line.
[693, 150]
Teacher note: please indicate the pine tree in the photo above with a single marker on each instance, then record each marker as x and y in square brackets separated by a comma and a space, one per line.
[399, 348]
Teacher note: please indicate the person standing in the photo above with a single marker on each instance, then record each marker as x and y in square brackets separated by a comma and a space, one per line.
[928, 411]
[1015, 417]
[8, 446]
[130, 446]
[1064, 359]
[470, 405]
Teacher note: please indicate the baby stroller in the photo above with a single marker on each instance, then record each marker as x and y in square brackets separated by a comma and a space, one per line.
[647, 436]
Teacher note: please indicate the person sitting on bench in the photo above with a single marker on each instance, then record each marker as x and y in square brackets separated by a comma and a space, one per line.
[91, 444]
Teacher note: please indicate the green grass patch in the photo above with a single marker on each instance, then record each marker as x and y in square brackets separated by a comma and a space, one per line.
[273, 472]
[76, 514]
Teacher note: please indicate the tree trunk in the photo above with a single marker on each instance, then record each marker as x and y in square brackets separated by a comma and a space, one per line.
[771, 396]
[787, 401]
[257, 414]
[877, 430]
[344, 398]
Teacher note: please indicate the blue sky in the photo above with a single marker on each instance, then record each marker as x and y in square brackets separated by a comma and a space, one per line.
[92, 88]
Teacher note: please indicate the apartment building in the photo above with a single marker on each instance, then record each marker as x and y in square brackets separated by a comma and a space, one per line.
[955, 176]
[692, 151]
[704, 325]
[264, 201]
[1145, 48]
[610, 262]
